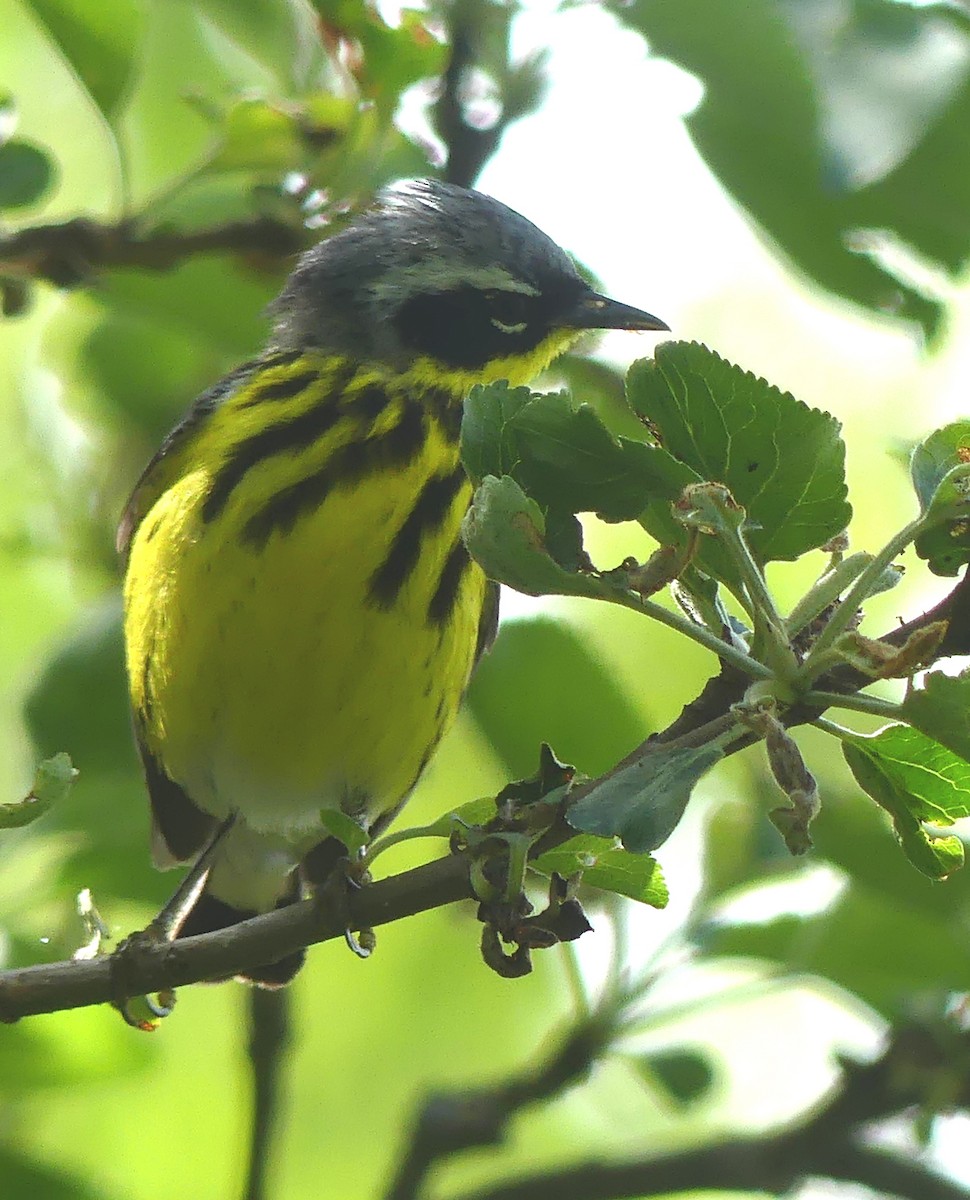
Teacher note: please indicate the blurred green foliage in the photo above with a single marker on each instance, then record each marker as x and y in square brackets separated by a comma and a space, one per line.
[824, 121]
[185, 116]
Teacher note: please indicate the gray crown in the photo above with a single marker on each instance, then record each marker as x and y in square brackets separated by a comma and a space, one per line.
[422, 237]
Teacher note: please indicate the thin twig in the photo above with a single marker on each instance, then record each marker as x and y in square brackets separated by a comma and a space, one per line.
[451, 1122]
[269, 1040]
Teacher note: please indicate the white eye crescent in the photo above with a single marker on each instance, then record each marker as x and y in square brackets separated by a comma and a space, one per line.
[518, 327]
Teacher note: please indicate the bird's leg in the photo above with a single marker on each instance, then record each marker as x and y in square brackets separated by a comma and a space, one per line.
[143, 1011]
[332, 876]
[166, 925]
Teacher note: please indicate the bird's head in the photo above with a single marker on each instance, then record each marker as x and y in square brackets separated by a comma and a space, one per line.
[446, 285]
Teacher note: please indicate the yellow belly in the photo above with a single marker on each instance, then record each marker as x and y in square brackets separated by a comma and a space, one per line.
[266, 680]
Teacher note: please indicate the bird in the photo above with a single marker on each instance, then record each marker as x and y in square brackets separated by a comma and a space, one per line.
[301, 614]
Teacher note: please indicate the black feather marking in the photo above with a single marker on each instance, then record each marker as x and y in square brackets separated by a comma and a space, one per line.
[443, 602]
[368, 403]
[151, 483]
[184, 828]
[427, 515]
[283, 437]
[280, 389]
[348, 464]
[447, 410]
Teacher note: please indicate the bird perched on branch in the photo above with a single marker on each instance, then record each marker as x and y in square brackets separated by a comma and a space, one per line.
[301, 614]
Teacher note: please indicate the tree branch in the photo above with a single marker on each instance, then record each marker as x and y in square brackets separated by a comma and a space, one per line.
[472, 37]
[728, 686]
[763, 1165]
[829, 1143]
[150, 968]
[51, 987]
[68, 254]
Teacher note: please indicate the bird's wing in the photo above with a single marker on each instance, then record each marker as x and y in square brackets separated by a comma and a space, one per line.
[179, 829]
[169, 461]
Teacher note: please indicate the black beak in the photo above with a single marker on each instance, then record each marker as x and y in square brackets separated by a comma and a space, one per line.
[593, 311]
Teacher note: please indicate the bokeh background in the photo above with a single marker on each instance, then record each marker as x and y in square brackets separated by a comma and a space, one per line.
[785, 180]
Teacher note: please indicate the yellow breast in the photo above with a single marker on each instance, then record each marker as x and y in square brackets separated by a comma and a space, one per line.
[301, 614]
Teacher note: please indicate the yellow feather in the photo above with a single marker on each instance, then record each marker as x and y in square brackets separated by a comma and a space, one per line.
[263, 678]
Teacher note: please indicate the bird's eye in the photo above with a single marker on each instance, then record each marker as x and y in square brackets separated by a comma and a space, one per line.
[470, 326]
[508, 311]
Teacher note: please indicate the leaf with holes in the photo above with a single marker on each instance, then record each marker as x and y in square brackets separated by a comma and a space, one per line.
[505, 531]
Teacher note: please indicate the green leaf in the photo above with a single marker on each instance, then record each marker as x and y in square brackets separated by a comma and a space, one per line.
[916, 780]
[27, 174]
[597, 382]
[945, 547]
[799, 165]
[487, 433]
[951, 501]
[344, 828]
[606, 866]
[859, 841]
[885, 952]
[272, 137]
[54, 778]
[106, 824]
[935, 456]
[80, 700]
[505, 530]
[211, 299]
[939, 470]
[643, 802]
[81, 1050]
[563, 457]
[278, 34]
[564, 540]
[475, 812]
[259, 136]
[52, 783]
[100, 41]
[940, 708]
[686, 1076]
[570, 460]
[782, 461]
[392, 59]
[59, 709]
[22, 1176]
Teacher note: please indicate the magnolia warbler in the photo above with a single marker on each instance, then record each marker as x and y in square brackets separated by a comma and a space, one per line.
[301, 614]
